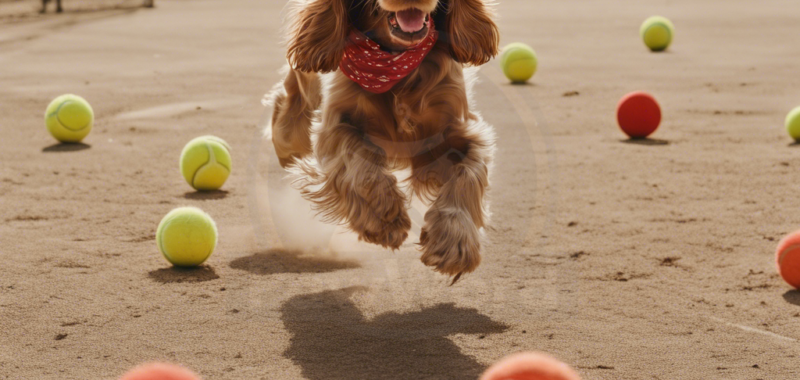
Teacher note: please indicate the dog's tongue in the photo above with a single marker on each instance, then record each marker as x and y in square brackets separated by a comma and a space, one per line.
[411, 20]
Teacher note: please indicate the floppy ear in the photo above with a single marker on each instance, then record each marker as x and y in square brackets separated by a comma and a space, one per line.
[317, 35]
[472, 33]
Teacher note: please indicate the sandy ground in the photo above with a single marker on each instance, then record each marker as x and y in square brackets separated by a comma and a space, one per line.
[12, 11]
[628, 261]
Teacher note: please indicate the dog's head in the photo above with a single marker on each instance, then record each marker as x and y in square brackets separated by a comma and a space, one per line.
[318, 34]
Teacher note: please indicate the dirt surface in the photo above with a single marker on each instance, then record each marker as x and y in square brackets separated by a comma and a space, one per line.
[14, 11]
[627, 260]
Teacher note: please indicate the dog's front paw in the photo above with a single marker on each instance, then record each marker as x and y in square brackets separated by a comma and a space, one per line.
[389, 234]
[383, 218]
[450, 242]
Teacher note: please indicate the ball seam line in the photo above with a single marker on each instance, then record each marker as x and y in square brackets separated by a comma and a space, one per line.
[161, 239]
[210, 157]
[61, 122]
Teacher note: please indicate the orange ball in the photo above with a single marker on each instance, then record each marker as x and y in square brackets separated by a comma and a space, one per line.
[638, 114]
[160, 371]
[530, 366]
[787, 256]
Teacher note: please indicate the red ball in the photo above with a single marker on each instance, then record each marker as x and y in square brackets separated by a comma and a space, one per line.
[787, 256]
[160, 371]
[638, 114]
[530, 366]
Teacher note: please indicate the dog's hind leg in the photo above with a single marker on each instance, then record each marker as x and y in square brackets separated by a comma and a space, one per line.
[58, 6]
[294, 103]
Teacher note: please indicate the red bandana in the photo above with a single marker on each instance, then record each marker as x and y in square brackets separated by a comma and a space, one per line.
[377, 71]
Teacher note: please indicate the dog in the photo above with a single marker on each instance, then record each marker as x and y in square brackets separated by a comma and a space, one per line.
[374, 86]
[59, 9]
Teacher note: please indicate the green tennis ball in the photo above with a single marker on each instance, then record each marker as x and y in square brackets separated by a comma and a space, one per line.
[206, 163]
[69, 118]
[793, 124]
[519, 62]
[186, 236]
[657, 33]
[508, 49]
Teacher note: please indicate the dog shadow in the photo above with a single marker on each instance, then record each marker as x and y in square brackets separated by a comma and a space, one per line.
[65, 147]
[332, 339]
[792, 297]
[276, 261]
[646, 142]
[179, 274]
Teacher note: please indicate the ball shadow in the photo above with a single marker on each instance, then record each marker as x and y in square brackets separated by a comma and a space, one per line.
[179, 274]
[792, 297]
[646, 142]
[65, 147]
[98, 10]
[206, 195]
[276, 261]
[794, 144]
[332, 339]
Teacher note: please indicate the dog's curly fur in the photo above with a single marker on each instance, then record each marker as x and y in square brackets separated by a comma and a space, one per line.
[343, 142]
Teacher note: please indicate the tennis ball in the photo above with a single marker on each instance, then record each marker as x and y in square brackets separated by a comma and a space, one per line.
[69, 118]
[530, 366]
[793, 124]
[508, 48]
[159, 371]
[186, 236]
[519, 62]
[657, 33]
[787, 257]
[638, 114]
[206, 163]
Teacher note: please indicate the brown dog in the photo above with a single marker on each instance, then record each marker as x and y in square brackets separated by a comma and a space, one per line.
[343, 133]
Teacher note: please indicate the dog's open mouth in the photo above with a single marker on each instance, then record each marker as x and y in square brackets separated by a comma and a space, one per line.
[410, 25]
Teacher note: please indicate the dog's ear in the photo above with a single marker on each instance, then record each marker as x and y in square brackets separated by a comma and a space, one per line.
[471, 31]
[318, 34]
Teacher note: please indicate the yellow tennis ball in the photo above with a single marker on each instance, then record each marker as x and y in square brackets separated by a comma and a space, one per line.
[69, 118]
[507, 49]
[206, 163]
[519, 62]
[793, 124]
[186, 236]
[657, 33]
